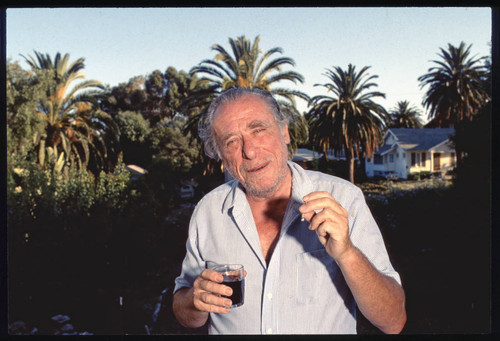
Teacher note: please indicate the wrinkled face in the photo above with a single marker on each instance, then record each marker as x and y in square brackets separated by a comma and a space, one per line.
[253, 148]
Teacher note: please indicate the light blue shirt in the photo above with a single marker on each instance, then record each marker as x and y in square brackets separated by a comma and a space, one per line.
[302, 290]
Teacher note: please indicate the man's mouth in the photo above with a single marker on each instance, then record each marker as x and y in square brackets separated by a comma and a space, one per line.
[258, 168]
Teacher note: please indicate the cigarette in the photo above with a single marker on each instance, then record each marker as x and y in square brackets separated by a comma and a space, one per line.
[303, 218]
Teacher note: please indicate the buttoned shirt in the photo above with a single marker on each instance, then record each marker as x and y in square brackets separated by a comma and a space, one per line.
[301, 290]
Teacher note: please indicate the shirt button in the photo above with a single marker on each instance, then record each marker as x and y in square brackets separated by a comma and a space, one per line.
[270, 295]
[269, 330]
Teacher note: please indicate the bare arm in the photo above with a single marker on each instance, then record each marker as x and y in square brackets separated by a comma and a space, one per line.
[192, 305]
[380, 298]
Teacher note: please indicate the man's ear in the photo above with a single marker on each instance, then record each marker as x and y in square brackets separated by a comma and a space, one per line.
[286, 134]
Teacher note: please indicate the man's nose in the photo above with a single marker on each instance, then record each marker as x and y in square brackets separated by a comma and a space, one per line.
[249, 149]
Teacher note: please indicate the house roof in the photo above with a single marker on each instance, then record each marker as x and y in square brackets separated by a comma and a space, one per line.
[421, 139]
[304, 154]
[385, 149]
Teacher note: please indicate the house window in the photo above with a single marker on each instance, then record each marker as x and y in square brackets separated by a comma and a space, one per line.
[378, 160]
[391, 157]
[413, 159]
[423, 159]
[397, 155]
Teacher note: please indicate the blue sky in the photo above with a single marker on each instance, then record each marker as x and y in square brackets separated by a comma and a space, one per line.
[120, 43]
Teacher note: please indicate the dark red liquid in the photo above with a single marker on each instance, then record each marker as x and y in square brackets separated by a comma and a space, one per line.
[238, 291]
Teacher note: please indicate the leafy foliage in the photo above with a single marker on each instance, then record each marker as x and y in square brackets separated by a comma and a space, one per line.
[187, 95]
[34, 193]
[124, 97]
[178, 151]
[159, 96]
[23, 93]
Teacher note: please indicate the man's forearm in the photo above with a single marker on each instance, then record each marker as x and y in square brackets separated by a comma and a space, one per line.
[185, 311]
[380, 298]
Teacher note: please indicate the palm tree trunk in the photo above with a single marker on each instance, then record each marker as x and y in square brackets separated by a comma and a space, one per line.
[459, 141]
[350, 163]
[460, 156]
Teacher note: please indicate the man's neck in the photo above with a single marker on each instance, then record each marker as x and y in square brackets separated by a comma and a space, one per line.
[268, 213]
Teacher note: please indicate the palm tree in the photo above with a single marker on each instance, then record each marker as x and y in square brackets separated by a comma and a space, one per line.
[456, 88]
[247, 67]
[73, 124]
[348, 120]
[404, 116]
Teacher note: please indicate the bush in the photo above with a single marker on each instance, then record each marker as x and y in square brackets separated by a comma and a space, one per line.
[439, 242]
[420, 175]
[77, 242]
[59, 227]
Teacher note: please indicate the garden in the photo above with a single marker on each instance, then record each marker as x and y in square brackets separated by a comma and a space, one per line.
[113, 273]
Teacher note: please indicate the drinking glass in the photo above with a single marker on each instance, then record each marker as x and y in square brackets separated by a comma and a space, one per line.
[234, 277]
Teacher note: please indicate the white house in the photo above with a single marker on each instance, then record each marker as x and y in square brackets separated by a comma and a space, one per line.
[407, 151]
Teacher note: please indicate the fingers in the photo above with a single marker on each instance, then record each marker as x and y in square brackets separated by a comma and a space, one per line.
[205, 301]
[326, 216]
[321, 202]
[317, 201]
[328, 220]
[211, 275]
[208, 293]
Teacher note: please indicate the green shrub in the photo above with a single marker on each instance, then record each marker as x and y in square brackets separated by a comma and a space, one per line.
[419, 175]
[425, 175]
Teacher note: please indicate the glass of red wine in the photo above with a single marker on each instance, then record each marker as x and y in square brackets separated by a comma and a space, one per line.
[234, 277]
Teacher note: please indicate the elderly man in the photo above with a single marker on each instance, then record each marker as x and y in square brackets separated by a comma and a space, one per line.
[310, 246]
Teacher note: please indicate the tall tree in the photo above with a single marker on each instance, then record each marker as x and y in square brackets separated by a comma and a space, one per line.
[457, 88]
[404, 116]
[348, 120]
[159, 96]
[128, 96]
[154, 88]
[23, 93]
[187, 95]
[248, 67]
[74, 125]
[134, 133]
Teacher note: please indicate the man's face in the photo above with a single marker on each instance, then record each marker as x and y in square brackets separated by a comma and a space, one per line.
[252, 146]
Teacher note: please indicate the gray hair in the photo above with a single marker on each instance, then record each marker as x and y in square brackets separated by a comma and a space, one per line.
[205, 130]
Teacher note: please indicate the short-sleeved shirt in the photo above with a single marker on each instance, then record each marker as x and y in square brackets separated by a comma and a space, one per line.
[301, 290]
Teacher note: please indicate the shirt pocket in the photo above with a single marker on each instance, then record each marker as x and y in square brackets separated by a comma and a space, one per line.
[315, 276]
